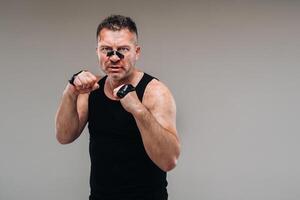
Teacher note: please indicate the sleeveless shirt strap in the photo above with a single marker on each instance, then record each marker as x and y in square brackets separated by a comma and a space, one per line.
[140, 88]
[101, 82]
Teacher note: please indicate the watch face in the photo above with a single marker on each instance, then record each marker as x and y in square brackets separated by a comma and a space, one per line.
[125, 89]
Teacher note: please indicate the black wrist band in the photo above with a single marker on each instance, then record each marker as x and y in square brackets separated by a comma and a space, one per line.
[71, 81]
[125, 89]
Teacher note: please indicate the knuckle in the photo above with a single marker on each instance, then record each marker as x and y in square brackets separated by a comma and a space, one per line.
[76, 82]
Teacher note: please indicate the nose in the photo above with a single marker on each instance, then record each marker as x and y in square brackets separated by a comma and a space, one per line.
[115, 53]
[114, 58]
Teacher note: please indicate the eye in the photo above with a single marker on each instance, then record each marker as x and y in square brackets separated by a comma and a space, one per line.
[123, 49]
[105, 49]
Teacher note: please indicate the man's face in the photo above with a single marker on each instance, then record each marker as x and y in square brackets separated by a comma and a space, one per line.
[122, 41]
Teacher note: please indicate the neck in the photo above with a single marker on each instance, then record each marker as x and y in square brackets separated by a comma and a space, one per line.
[132, 79]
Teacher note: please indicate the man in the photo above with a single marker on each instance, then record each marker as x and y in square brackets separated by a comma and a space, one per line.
[131, 115]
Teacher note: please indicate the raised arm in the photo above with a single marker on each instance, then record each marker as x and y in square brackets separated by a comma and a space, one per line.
[156, 120]
[72, 113]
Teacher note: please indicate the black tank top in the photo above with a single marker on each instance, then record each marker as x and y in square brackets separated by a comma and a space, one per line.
[120, 166]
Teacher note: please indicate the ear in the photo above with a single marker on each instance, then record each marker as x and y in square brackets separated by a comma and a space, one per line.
[137, 52]
[97, 46]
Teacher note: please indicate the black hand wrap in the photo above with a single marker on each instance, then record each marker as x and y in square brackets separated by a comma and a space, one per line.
[71, 81]
[125, 89]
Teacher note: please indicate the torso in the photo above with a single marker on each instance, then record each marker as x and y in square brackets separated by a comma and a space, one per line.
[120, 165]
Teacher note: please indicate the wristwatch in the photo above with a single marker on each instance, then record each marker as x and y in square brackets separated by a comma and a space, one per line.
[125, 89]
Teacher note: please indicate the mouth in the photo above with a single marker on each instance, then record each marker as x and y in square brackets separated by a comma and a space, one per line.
[115, 68]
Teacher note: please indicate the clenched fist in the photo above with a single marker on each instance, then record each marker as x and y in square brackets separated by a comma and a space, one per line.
[84, 82]
[130, 101]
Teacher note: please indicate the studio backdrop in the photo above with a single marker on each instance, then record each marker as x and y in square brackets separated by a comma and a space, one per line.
[233, 67]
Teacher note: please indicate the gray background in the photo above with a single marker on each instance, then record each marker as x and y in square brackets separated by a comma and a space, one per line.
[233, 67]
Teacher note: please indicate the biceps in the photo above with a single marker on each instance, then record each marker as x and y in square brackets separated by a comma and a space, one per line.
[166, 117]
[82, 109]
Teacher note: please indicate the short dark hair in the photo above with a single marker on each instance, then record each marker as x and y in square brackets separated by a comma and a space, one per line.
[117, 23]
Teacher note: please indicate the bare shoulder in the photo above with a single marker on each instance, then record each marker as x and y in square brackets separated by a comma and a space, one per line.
[157, 92]
[159, 100]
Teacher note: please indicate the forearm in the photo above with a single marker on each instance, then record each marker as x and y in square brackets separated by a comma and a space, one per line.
[67, 120]
[161, 145]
